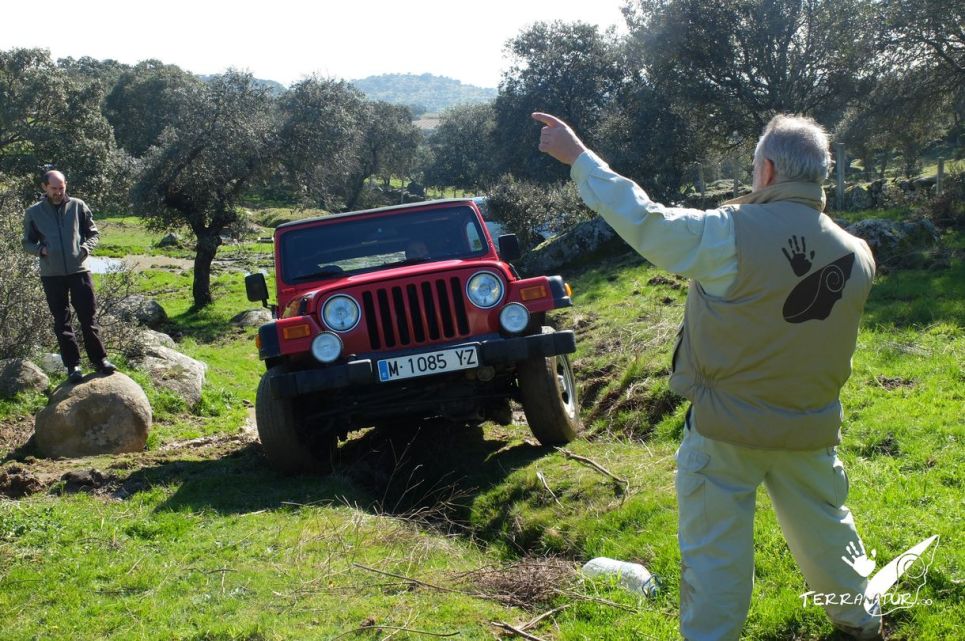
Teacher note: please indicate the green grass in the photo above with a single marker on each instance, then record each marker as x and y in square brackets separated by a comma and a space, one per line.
[199, 556]
[219, 547]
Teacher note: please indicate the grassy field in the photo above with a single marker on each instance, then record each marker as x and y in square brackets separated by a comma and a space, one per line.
[197, 539]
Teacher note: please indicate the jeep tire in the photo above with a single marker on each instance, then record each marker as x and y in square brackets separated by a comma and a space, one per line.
[547, 390]
[287, 452]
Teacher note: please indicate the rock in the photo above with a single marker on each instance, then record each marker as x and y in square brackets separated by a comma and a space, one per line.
[908, 243]
[142, 310]
[581, 241]
[151, 338]
[170, 240]
[252, 318]
[20, 375]
[857, 198]
[85, 480]
[101, 415]
[51, 363]
[172, 370]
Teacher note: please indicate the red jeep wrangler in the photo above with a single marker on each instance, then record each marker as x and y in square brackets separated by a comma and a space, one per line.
[390, 316]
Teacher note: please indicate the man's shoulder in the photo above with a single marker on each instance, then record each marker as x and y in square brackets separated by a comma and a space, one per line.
[77, 201]
[37, 206]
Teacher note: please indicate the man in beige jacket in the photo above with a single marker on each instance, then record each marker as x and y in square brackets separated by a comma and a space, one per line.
[771, 321]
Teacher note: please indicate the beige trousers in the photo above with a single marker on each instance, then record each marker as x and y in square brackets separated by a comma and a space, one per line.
[716, 489]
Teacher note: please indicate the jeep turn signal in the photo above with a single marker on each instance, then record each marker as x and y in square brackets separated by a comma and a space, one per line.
[295, 331]
[532, 293]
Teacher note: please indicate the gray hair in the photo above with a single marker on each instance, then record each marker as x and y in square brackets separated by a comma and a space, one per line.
[798, 147]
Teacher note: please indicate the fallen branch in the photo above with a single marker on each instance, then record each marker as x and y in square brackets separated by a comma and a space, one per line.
[408, 579]
[542, 479]
[392, 627]
[516, 631]
[596, 599]
[532, 622]
[596, 466]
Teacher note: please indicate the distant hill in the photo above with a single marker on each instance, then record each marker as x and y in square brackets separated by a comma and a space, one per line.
[424, 93]
[276, 88]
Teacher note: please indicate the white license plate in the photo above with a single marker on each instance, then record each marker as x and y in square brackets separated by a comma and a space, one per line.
[445, 360]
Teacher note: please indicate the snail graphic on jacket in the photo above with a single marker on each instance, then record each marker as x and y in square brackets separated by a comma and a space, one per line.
[814, 297]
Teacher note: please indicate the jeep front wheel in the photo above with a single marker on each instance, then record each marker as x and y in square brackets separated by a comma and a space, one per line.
[548, 391]
[285, 449]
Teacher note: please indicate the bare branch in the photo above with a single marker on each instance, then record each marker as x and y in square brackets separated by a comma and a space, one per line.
[599, 468]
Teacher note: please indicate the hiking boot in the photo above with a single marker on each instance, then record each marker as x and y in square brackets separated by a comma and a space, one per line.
[75, 374]
[106, 367]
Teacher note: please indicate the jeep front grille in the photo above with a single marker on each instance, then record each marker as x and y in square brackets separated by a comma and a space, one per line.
[416, 313]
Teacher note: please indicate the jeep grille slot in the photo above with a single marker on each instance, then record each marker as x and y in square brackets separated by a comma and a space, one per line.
[416, 313]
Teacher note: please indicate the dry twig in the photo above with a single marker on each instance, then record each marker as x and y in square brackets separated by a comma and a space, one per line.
[516, 631]
[529, 624]
[625, 484]
[392, 627]
[542, 479]
[408, 579]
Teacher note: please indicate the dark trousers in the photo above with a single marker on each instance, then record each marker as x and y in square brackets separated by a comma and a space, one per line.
[77, 290]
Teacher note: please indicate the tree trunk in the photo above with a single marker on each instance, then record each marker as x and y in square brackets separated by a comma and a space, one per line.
[205, 251]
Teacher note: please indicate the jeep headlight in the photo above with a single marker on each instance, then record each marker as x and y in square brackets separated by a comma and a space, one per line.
[326, 347]
[514, 318]
[485, 290]
[341, 313]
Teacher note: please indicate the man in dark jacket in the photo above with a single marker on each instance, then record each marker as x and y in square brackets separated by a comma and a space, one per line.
[60, 231]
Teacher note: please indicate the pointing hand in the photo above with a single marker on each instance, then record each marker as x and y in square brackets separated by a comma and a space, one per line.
[558, 140]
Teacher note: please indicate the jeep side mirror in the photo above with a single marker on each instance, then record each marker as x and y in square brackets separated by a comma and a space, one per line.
[509, 247]
[257, 288]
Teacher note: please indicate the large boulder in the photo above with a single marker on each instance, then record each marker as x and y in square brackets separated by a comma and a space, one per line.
[152, 338]
[583, 241]
[906, 243]
[252, 318]
[20, 375]
[857, 198]
[101, 415]
[142, 310]
[172, 370]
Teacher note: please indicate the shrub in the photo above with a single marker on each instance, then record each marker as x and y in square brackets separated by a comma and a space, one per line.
[532, 210]
[24, 318]
[948, 210]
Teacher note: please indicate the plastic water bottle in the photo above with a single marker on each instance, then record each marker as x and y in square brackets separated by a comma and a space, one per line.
[632, 576]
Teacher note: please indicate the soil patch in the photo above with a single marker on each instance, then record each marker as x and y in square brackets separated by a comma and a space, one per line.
[14, 433]
[22, 474]
[17, 482]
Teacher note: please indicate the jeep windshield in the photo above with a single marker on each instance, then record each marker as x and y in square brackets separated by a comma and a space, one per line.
[370, 243]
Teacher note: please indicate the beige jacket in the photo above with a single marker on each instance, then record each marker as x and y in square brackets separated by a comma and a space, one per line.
[763, 365]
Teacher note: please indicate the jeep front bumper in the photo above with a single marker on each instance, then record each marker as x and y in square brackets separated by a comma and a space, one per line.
[497, 351]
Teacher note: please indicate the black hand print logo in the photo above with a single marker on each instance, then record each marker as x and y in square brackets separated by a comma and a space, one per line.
[800, 261]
